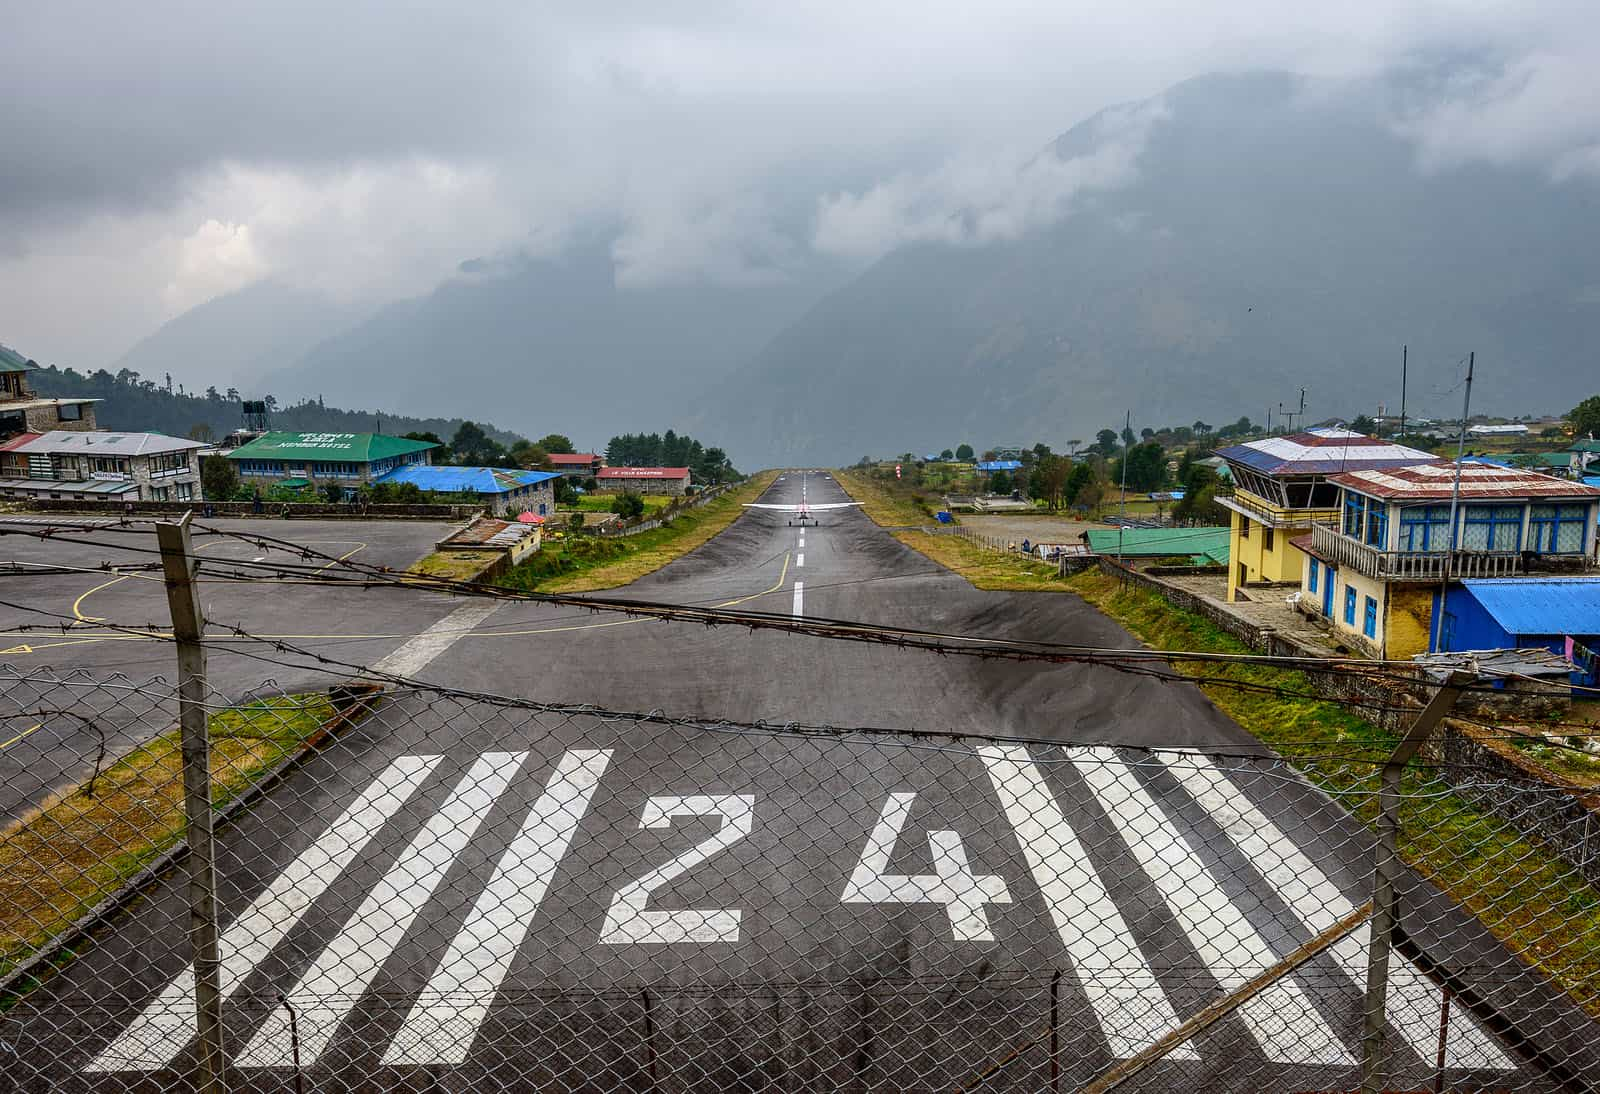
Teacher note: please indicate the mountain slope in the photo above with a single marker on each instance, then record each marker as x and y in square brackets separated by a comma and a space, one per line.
[232, 340]
[1272, 240]
[554, 345]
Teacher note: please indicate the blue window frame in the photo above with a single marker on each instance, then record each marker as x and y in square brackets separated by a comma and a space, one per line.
[1377, 525]
[1311, 576]
[1557, 529]
[1350, 605]
[1425, 528]
[1369, 619]
[1354, 505]
[1492, 528]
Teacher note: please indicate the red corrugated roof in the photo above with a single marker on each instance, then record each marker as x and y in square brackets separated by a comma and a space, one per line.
[1436, 479]
[644, 473]
[573, 457]
[19, 440]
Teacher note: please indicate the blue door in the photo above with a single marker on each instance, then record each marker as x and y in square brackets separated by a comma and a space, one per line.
[1328, 576]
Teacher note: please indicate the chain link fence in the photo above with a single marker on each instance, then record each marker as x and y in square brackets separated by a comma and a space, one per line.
[434, 891]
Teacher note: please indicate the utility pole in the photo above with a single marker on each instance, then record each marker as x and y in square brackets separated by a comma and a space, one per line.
[1455, 507]
[1302, 413]
[1403, 363]
[1122, 506]
[178, 567]
[1386, 873]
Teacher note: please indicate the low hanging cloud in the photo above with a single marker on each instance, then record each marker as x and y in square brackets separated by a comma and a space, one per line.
[968, 204]
[365, 150]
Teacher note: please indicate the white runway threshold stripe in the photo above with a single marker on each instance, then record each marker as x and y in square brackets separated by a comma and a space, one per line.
[449, 1013]
[1282, 1018]
[1414, 999]
[344, 969]
[1118, 982]
[164, 1027]
[799, 598]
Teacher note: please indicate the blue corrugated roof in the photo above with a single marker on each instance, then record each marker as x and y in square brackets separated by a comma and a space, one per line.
[1554, 605]
[478, 480]
[999, 465]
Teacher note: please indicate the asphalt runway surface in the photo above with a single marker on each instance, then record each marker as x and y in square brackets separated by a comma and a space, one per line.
[77, 593]
[470, 895]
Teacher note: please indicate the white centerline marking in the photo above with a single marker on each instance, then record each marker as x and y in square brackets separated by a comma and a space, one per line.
[800, 560]
[1125, 994]
[447, 1015]
[417, 653]
[799, 597]
[343, 971]
[163, 1028]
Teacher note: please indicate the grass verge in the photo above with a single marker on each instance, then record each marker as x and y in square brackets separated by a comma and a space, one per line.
[77, 849]
[580, 564]
[455, 565]
[1538, 906]
[886, 501]
[986, 569]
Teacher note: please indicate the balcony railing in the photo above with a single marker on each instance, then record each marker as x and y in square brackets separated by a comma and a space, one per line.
[1248, 505]
[1343, 550]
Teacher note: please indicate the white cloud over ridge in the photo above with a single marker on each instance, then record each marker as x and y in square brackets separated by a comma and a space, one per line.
[976, 203]
[365, 150]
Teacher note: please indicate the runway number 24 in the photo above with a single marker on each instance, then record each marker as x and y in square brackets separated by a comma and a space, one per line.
[952, 884]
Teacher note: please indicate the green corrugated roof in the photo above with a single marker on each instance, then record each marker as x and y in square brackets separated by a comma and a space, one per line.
[328, 447]
[12, 361]
[1540, 459]
[1205, 544]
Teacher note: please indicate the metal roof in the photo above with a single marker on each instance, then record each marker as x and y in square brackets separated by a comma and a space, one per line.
[331, 447]
[1540, 605]
[1209, 544]
[999, 465]
[18, 441]
[12, 361]
[106, 443]
[48, 486]
[1321, 452]
[573, 458]
[1436, 479]
[643, 473]
[458, 480]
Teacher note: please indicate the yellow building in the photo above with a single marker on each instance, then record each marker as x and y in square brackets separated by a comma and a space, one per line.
[1281, 490]
[1373, 573]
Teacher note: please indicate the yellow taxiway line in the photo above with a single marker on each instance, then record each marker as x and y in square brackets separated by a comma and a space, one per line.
[119, 636]
[7, 744]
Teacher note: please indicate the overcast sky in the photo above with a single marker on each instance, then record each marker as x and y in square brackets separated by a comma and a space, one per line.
[154, 155]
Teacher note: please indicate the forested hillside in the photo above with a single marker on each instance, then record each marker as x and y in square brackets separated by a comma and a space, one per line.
[134, 403]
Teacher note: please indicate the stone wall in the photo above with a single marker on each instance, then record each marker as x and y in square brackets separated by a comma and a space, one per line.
[246, 509]
[1479, 765]
[1495, 776]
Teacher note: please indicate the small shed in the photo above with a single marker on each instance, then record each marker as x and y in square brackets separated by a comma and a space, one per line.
[1559, 614]
[1203, 546]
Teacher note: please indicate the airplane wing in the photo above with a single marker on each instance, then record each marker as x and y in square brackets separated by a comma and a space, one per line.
[820, 507]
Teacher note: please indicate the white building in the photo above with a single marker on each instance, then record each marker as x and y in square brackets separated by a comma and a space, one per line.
[106, 466]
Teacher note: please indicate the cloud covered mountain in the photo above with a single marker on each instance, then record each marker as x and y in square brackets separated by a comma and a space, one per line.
[1204, 255]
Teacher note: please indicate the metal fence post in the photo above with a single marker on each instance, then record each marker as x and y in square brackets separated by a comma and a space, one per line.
[1385, 877]
[178, 564]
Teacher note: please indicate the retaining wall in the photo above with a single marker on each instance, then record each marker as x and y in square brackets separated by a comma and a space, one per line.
[1481, 766]
[247, 509]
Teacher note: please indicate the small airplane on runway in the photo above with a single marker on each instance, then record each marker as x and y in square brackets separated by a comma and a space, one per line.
[802, 512]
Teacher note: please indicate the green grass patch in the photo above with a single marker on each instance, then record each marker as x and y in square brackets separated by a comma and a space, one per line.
[888, 502]
[1537, 905]
[601, 503]
[582, 563]
[81, 846]
[986, 569]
